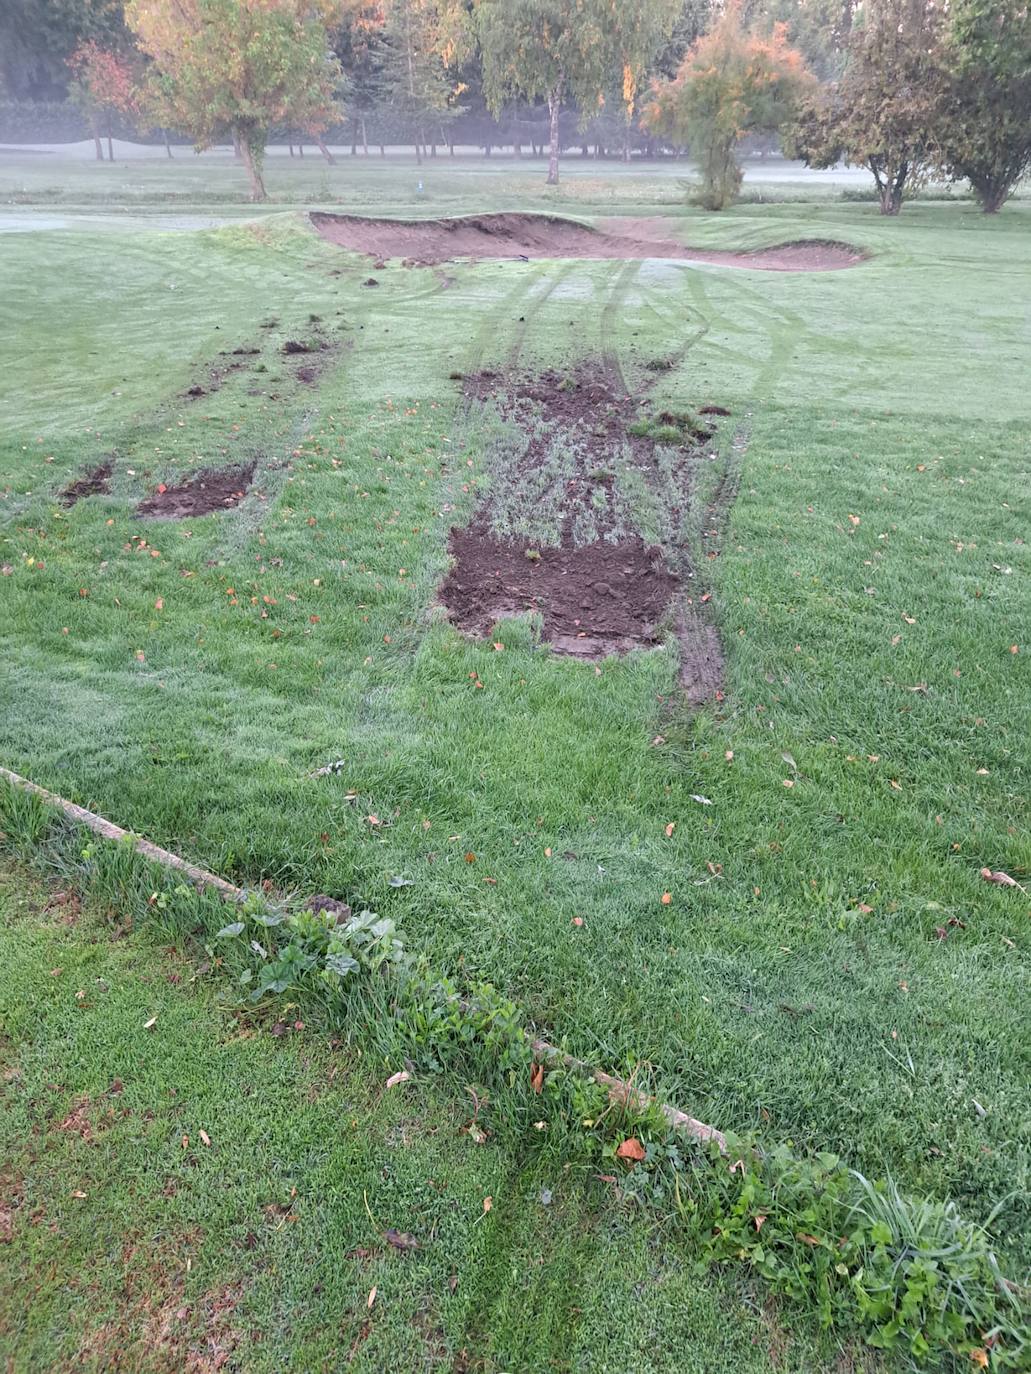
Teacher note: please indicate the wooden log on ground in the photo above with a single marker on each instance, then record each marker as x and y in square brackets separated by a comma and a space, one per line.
[199, 876]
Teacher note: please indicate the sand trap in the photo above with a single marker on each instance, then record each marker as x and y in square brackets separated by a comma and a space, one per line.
[424, 243]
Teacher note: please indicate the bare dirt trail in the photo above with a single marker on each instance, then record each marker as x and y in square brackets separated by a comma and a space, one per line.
[599, 587]
[427, 243]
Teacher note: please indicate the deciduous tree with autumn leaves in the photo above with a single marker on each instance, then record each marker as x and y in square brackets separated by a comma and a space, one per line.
[733, 82]
[240, 66]
[104, 82]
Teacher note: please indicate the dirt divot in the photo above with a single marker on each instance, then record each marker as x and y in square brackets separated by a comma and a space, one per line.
[595, 599]
[426, 243]
[96, 482]
[557, 536]
[211, 489]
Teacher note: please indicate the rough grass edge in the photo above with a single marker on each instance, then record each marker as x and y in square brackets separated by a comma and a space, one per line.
[906, 1274]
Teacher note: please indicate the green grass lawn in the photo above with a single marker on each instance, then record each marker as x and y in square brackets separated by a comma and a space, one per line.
[206, 1194]
[870, 587]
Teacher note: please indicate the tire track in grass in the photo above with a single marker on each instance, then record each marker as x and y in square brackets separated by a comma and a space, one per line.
[534, 309]
[746, 306]
[672, 320]
[491, 326]
[625, 275]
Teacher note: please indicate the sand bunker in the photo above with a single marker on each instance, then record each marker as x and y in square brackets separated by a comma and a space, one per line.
[424, 243]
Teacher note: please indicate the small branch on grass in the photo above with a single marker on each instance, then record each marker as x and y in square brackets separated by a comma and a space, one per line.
[625, 1094]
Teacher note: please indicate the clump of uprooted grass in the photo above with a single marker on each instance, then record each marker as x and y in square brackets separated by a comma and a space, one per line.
[904, 1273]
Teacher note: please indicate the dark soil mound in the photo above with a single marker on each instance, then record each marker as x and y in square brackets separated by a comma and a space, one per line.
[424, 243]
[588, 572]
[208, 490]
[595, 599]
[96, 482]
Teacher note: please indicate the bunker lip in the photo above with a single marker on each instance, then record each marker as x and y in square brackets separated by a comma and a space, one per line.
[429, 242]
[211, 489]
[598, 586]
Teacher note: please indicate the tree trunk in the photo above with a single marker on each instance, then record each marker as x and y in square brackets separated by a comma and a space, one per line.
[354, 138]
[253, 167]
[168, 146]
[992, 192]
[891, 185]
[365, 138]
[382, 150]
[411, 93]
[300, 150]
[237, 150]
[325, 151]
[110, 149]
[554, 109]
[97, 144]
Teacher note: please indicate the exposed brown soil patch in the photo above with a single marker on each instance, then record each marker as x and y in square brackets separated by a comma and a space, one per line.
[424, 243]
[586, 570]
[78, 1122]
[595, 599]
[156, 1326]
[96, 482]
[209, 490]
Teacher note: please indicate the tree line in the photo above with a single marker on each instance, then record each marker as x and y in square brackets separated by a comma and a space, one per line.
[912, 90]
